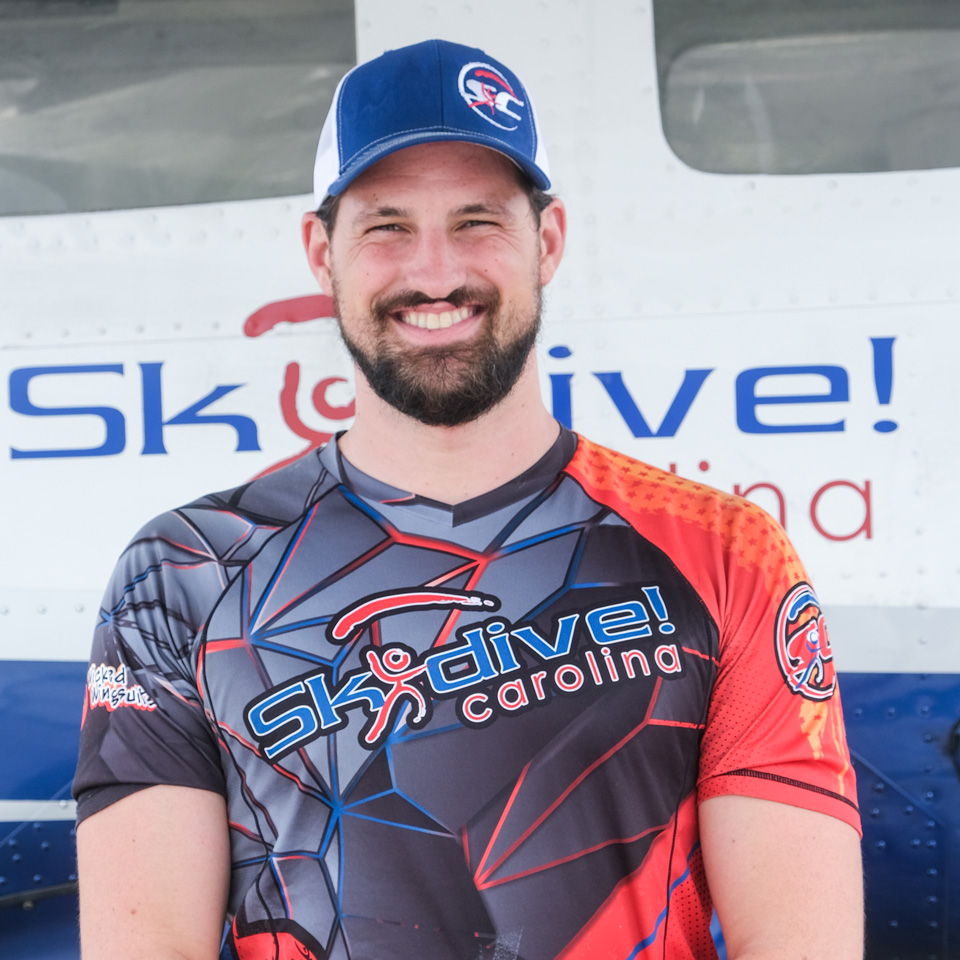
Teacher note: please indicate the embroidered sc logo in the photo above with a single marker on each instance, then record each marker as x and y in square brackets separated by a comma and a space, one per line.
[489, 94]
[803, 645]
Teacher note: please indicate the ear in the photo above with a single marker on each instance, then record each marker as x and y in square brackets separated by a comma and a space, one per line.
[316, 243]
[553, 233]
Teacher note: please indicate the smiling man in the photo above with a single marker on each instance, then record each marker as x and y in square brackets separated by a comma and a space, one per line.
[462, 683]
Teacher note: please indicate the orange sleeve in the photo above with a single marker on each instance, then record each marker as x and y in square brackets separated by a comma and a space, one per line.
[775, 725]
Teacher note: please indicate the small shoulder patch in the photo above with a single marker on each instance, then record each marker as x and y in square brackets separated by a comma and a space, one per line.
[803, 646]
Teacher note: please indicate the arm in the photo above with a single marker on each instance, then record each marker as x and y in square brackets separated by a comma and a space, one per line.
[786, 882]
[154, 871]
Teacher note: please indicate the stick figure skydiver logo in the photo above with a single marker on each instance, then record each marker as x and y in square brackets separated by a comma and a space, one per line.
[489, 94]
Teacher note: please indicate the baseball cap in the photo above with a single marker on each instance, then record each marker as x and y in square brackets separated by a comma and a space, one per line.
[430, 91]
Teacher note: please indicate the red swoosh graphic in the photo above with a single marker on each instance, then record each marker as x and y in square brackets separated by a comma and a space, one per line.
[409, 600]
[295, 310]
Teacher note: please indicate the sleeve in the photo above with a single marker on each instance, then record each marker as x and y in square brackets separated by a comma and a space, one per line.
[774, 727]
[143, 717]
[775, 724]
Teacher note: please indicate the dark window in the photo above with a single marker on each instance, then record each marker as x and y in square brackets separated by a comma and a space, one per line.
[810, 86]
[111, 104]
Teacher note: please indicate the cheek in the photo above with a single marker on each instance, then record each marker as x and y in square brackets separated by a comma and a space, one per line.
[368, 277]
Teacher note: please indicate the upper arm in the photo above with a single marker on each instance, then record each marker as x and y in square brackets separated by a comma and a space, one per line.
[154, 871]
[786, 882]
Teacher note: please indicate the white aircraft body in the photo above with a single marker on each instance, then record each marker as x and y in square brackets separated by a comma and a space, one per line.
[761, 290]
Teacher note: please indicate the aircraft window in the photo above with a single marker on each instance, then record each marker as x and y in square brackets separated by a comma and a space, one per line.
[112, 104]
[810, 86]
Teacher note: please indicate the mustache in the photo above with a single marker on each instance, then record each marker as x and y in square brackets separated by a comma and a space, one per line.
[411, 299]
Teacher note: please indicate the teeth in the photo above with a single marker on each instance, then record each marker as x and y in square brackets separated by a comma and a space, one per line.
[436, 321]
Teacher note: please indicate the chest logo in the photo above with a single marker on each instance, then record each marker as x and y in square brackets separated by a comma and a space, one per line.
[491, 668]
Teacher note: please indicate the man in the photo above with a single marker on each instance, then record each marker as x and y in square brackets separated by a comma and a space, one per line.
[462, 684]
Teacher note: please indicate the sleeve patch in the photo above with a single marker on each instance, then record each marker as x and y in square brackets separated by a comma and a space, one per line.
[803, 646]
[111, 687]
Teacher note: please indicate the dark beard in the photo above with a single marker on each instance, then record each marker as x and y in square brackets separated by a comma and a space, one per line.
[445, 386]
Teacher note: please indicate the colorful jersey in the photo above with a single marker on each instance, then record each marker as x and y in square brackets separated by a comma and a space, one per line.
[481, 730]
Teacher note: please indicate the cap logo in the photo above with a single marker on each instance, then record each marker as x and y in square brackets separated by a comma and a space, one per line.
[488, 94]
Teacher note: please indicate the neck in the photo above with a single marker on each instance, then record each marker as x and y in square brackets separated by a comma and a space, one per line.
[451, 464]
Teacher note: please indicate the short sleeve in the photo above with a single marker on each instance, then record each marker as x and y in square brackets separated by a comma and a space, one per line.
[143, 718]
[775, 725]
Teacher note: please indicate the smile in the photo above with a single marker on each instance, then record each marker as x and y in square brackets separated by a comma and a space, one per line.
[436, 321]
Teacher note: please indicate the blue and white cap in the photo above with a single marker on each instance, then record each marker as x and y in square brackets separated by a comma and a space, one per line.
[430, 91]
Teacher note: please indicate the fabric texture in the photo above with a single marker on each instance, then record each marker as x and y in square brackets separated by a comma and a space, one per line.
[481, 730]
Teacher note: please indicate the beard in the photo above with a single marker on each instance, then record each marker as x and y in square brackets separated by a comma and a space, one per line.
[453, 384]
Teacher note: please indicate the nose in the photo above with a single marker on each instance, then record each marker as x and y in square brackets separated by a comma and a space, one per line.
[435, 265]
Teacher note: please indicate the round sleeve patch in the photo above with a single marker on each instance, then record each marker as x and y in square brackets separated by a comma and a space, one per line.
[803, 646]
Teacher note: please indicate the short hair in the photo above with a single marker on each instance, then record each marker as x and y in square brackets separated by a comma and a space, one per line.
[539, 201]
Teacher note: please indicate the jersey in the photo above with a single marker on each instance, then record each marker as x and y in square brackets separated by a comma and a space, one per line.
[458, 732]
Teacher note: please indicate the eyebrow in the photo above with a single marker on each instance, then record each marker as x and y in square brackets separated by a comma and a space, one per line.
[379, 213]
[501, 210]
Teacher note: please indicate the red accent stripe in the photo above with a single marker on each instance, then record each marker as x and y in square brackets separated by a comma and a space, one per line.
[578, 780]
[497, 77]
[701, 655]
[677, 723]
[290, 555]
[573, 856]
[472, 582]
[496, 832]
[381, 606]
[215, 646]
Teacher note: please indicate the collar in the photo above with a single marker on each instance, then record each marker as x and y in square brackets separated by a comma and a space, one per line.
[528, 483]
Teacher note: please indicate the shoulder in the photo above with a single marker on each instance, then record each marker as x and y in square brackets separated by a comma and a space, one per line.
[723, 544]
[643, 490]
[191, 552]
[267, 502]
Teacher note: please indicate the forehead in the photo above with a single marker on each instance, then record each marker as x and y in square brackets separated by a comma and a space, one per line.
[436, 170]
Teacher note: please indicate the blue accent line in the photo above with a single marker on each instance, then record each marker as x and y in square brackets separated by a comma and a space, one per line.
[401, 826]
[402, 737]
[280, 888]
[806, 597]
[539, 538]
[128, 588]
[365, 507]
[593, 583]
[340, 883]
[417, 806]
[809, 670]
[290, 651]
[643, 944]
[342, 655]
[567, 584]
[393, 779]
[361, 770]
[244, 599]
[296, 625]
[333, 825]
[288, 551]
[518, 518]
[348, 807]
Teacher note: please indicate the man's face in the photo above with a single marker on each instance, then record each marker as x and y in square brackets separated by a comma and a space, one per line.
[435, 268]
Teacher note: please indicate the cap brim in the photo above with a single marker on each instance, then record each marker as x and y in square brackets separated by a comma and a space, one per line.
[368, 158]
